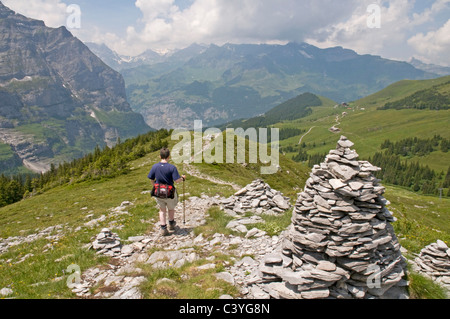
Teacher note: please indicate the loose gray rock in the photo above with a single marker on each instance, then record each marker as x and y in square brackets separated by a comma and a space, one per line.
[127, 250]
[340, 237]
[206, 267]
[136, 238]
[226, 276]
[274, 258]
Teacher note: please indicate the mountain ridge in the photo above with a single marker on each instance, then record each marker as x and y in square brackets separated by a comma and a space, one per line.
[73, 215]
[438, 69]
[244, 80]
[121, 62]
[390, 114]
[57, 95]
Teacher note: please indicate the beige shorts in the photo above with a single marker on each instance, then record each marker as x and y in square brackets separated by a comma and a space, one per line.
[168, 203]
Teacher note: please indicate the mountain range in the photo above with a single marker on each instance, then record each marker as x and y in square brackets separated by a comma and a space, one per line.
[57, 99]
[45, 234]
[121, 62]
[219, 84]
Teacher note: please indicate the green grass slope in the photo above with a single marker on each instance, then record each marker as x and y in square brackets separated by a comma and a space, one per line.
[368, 127]
[68, 206]
[294, 109]
[422, 220]
[400, 90]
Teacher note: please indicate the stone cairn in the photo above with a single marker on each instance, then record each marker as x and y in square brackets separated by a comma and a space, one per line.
[257, 197]
[107, 243]
[434, 262]
[340, 243]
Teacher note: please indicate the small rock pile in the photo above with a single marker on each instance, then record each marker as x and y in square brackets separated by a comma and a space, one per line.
[340, 243]
[434, 261]
[107, 243]
[257, 197]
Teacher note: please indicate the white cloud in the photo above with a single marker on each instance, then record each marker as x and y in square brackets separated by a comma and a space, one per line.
[323, 23]
[399, 23]
[237, 21]
[434, 46]
[405, 31]
[155, 9]
[428, 14]
[52, 12]
[357, 34]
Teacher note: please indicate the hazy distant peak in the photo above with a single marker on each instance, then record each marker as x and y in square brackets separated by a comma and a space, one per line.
[432, 68]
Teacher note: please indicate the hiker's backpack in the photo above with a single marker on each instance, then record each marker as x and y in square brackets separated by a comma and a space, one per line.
[163, 191]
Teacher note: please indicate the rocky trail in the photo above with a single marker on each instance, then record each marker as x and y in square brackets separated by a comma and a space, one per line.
[191, 170]
[340, 229]
[120, 279]
[339, 221]
[335, 129]
[301, 139]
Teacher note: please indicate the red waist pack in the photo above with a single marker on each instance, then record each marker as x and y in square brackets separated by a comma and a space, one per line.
[163, 191]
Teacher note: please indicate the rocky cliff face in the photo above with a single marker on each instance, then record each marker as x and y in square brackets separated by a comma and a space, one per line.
[55, 91]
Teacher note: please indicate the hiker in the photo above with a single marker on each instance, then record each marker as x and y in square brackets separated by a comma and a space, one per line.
[163, 176]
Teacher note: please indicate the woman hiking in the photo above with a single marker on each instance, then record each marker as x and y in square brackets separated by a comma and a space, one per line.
[163, 176]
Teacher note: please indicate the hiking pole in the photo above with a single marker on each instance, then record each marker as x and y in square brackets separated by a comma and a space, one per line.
[184, 202]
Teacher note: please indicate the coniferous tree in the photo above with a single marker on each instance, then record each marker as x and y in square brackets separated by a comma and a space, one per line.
[446, 183]
[445, 145]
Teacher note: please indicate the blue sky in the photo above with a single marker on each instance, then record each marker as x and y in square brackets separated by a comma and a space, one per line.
[111, 15]
[114, 15]
[419, 28]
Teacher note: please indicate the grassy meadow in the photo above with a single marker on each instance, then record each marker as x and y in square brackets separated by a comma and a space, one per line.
[37, 269]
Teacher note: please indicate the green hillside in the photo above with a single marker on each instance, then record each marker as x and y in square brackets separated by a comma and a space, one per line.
[434, 98]
[106, 178]
[222, 84]
[293, 109]
[400, 90]
[369, 127]
[308, 129]
[10, 163]
[36, 269]
[67, 206]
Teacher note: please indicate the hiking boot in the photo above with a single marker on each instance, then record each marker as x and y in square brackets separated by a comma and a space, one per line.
[163, 231]
[172, 225]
